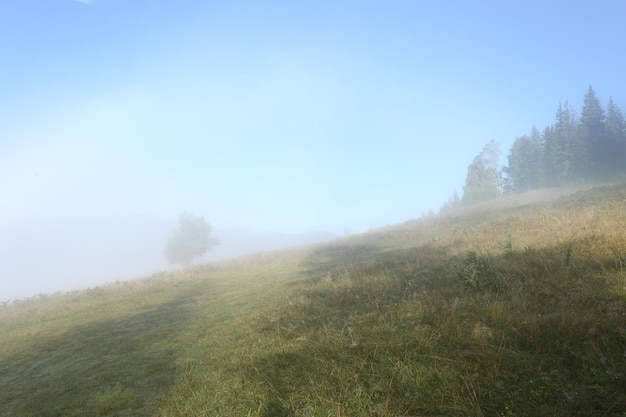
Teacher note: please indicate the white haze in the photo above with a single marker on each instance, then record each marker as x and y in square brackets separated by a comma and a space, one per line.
[52, 257]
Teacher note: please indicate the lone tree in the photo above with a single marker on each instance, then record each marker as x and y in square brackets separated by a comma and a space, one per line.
[190, 239]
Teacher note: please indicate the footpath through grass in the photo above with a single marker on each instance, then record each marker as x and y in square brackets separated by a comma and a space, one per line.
[507, 310]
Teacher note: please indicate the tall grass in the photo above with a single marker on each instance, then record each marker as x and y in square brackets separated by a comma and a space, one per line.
[520, 311]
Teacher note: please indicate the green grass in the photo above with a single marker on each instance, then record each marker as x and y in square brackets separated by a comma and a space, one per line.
[513, 309]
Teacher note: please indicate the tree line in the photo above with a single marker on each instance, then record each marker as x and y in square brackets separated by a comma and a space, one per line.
[589, 147]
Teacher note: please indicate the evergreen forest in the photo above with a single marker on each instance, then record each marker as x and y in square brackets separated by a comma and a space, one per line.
[576, 148]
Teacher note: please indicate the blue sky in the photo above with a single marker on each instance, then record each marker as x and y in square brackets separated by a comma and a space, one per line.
[283, 116]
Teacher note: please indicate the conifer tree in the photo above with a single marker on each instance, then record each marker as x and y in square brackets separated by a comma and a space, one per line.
[549, 152]
[539, 142]
[564, 149]
[616, 137]
[595, 151]
[525, 160]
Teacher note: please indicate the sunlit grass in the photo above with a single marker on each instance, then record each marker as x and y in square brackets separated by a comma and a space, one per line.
[514, 309]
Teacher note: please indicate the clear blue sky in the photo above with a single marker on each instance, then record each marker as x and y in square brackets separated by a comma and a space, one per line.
[278, 115]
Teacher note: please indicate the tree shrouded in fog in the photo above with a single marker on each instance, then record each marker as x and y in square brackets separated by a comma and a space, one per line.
[592, 132]
[483, 176]
[588, 148]
[591, 147]
[566, 155]
[525, 162]
[615, 137]
[190, 239]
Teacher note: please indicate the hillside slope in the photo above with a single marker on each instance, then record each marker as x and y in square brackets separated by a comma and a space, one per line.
[506, 309]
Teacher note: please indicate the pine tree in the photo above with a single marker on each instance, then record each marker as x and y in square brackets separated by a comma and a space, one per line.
[539, 142]
[616, 138]
[593, 139]
[563, 146]
[549, 157]
[525, 163]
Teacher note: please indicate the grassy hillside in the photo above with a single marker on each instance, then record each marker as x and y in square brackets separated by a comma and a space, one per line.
[507, 309]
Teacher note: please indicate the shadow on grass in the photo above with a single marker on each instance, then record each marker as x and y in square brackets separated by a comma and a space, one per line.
[420, 332]
[106, 368]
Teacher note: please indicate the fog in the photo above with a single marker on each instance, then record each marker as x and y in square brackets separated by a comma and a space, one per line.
[279, 122]
[73, 255]
[77, 255]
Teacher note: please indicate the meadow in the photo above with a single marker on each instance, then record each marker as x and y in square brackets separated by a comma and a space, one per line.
[511, 308]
